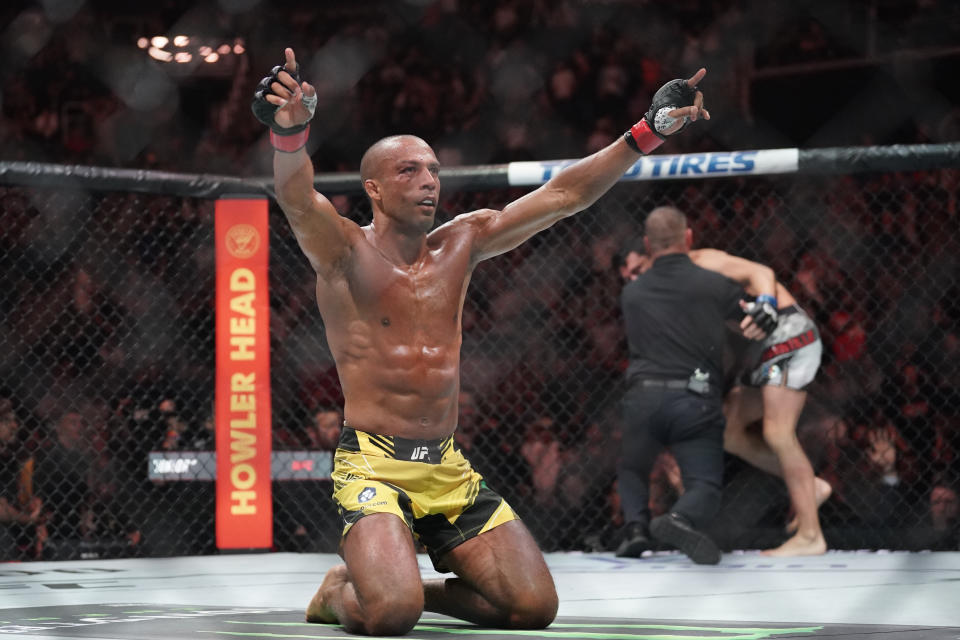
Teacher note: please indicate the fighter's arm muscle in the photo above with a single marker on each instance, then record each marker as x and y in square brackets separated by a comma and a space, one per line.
[325, 237]
[570, 191]
[497, 232]
[755, 278]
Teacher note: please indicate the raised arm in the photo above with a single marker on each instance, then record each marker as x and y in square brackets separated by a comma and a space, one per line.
[285, 104]
[755, 278]
[676, 104]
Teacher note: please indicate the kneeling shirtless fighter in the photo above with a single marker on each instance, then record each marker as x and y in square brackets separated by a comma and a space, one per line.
[391, 296]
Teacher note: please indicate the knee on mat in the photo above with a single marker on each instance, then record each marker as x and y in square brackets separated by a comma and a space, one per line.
[391, 617]
[533, 611]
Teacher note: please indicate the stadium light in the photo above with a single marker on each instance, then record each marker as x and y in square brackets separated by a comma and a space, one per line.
[184, 48]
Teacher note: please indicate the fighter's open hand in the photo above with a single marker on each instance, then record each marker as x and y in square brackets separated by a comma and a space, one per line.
[283, 101]
[677, 104]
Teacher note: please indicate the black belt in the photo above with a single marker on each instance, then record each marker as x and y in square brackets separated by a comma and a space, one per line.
[663, 383]
[673, 384]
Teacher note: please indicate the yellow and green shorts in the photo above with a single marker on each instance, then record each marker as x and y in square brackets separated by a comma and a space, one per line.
[427, 483]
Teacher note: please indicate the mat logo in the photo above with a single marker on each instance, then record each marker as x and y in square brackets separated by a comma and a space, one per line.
[420, 453]
[367, 494]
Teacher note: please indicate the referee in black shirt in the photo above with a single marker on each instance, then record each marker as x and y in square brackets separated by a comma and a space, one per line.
[676, 317]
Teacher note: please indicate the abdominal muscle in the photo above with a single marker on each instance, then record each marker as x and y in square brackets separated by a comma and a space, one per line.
[395, 335]
[405, 390]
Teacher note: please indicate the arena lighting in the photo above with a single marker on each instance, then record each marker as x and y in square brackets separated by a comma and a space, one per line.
[183, 48]
[160, 54]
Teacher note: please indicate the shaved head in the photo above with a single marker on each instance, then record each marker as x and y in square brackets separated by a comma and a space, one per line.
[384, 149]
[665, 228]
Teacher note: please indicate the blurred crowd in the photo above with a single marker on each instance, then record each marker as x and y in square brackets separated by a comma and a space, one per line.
[106, 299]
[483, 81]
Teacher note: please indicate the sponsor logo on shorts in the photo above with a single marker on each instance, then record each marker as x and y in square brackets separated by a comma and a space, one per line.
[420, 453]
[791, 344]
[774, 373]
[367, 494]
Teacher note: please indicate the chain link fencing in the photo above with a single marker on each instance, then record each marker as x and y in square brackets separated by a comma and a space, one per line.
[107, 364]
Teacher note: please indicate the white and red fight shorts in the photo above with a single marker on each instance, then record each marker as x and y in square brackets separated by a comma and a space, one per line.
[790, 356]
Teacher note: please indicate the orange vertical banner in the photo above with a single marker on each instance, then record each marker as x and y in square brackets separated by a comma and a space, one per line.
[244, 503]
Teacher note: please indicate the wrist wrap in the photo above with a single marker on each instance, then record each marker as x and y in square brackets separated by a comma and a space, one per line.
[766, 297]
[642, 138]
[291, 142]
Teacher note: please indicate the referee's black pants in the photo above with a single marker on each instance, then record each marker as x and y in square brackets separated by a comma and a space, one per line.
[691, 426]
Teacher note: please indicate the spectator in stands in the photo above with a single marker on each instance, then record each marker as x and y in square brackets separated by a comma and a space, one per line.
[945, 515]
[305, 517]
[488, 443]
[324, 433]
[204, 436]
[63, 477]
[877, 471]
[543, 454]
[175, 433]
[77, 500]
[468, 435]
[915, 417]
[939, 528]
[21, 512]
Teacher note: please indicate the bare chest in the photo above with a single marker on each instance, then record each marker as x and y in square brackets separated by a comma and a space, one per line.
[412, 303]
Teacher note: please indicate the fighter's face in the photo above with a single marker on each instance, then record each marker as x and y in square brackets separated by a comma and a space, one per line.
[634, 264]
[411, 184]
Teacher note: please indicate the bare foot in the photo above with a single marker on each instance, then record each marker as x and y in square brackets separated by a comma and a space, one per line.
[317, 610]
[800, 546]
[822, 491]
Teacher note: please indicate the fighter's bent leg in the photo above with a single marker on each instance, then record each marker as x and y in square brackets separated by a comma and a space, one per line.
[782, 407]
[379, 591]
[742, 407]
[502, 581]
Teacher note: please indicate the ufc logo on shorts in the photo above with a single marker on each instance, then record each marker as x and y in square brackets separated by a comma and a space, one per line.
[420, 453]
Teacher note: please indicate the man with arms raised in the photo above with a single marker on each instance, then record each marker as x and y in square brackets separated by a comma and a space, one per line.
[391, 296]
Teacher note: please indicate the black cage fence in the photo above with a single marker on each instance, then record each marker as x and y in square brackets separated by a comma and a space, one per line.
[107, 355]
